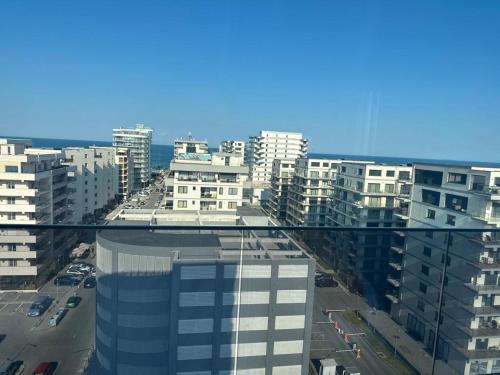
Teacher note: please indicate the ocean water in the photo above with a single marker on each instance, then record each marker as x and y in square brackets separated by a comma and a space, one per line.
[162, 154]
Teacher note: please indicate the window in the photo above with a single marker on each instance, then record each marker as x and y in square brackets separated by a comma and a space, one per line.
[220, 204]
[457, 178]
[424, 269]
[314, 164]
[326, 165]
[431, 214]
[374, 188]
[194, 188]
[11, 216]
[314, 174]
[11, 185]
[423, 288]
[232, 205]
[11, 200]
[182, 189]
[360, 171]
[233, 191]
[450, 220]
[374, 201]
[390, 173]
[11, 168]
[429, 234]
[359, 186]
[404, 176]
[221, 190]
[456, 202]
[343, 169]
[389, 202]
[427, 251]
[389, 188]
[427, 177]
[431, 197]
[420, 305]
[11, 247]
[182, 204]
[325, 175]
[375, 172]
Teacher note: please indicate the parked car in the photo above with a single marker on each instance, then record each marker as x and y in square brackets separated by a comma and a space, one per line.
[326, 281]
[12, 368]
[89, 282]
[76, 271]
[82, 266]
[73, 301]
[67, 280]
[57, 317]
[45, 368]
[39, 306]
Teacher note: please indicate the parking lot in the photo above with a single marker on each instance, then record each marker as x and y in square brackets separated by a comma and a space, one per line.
[30, 339]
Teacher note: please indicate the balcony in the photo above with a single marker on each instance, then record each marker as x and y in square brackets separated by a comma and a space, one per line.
[396, 266]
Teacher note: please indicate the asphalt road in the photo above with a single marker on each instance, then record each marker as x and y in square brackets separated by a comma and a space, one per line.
[31, 340]
[326, 340]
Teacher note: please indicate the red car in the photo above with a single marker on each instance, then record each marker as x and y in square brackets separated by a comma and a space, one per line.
[45, 368]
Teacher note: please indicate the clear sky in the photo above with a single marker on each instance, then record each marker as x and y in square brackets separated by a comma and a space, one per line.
[399, 78]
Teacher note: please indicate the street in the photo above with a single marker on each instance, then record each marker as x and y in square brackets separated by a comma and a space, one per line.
[376, 357]
[30, 339]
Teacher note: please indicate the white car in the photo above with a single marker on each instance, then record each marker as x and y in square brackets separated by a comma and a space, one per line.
[76, 271]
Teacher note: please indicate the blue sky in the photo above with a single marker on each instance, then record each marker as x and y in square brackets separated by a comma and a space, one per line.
[398, 78]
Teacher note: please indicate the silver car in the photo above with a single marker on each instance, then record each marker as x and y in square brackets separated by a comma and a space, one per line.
[57, 317]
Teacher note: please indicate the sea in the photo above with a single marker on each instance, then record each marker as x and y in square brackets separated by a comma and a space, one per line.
[161, 155]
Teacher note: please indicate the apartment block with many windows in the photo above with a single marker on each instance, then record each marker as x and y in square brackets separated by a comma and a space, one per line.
[138, 141]
[281, 181]
[466, 264]
[95, 181]
[211, 182]
[365, 194]
[125, 163]
[311, 187]
[33, 190]
[232, 146]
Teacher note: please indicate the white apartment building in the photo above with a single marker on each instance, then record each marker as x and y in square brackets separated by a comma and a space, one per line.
[366, 195]
[189, 146]
[95, 180]
[269, 145]
[212, 182]
[33, 190]
[281, 180]
[125, 163]
[232, 146]
[447, 196]
[138, 141]
[309, 192]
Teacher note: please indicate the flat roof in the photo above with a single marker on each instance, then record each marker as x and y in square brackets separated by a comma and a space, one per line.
[160, 239]
[194, 167]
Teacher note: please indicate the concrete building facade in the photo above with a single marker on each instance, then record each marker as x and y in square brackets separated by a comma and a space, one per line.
[191, 303]
[311, 187]
[208, 182]
[189, 146]
[33, 190]
[125, 163]
[138, 141]
[281, 180]
[232, 146]
[465, 264]
[95, 182]
[269, 145]
[365, 195]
